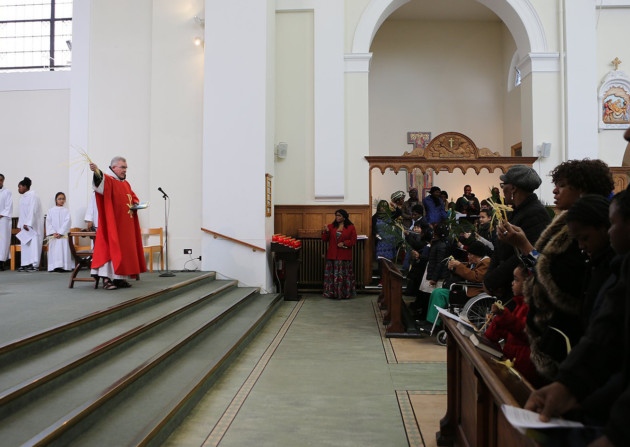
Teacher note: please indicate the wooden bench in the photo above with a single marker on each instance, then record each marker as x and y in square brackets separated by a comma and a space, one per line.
[397, 317]
[477, 386]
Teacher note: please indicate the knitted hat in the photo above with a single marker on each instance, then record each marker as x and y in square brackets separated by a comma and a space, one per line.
[477, 248]
[522, 177]
[398, 195]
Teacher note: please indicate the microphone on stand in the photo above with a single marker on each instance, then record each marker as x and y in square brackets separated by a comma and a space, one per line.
[167, 273]
[162, 191]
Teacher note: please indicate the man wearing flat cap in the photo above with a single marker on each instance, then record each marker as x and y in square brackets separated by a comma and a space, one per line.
[518, 185]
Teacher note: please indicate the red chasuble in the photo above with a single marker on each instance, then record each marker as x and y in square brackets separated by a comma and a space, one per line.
[118, 238]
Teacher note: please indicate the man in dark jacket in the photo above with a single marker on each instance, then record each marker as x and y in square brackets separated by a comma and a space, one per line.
[518, 184]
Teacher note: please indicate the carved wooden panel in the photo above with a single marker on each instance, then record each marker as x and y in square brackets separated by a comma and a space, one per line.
[291, 218]
[446, 152]
[620, 177]
[451, 145]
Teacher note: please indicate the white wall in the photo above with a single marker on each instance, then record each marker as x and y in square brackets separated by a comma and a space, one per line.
[455, 83]
[145, 103]
[512, 130]
[176, 121]
[34, 129]
[612, 37]
[294, 175]
[237, 139]
[422, 82]
[140, 82]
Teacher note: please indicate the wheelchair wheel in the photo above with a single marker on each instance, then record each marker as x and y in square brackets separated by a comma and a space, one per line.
[441, 337]
[476, 309]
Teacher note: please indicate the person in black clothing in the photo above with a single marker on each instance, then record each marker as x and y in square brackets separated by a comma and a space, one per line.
[416, 241]
[555, 294]
[518, 184]
[588, 225]
[468, 204]
[408, 207]
[593, 382]
[486, 231]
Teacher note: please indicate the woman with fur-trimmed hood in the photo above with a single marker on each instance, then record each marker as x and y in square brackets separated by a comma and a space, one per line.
[555, 293]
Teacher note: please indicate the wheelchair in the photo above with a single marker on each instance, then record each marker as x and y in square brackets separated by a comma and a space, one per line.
[472, 309]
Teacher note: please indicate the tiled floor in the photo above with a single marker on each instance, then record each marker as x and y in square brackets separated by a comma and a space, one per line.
[321, 373]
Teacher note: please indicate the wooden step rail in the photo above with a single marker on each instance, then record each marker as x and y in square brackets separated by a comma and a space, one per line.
[223, 236]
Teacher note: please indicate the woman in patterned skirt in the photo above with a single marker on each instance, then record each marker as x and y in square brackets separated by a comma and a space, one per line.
[341, 236]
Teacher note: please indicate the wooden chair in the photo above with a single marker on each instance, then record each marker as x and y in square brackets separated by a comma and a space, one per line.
[82, 253]
[150, 249]
[16, 247]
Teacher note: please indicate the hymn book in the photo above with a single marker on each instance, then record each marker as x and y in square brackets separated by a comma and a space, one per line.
[486, 345]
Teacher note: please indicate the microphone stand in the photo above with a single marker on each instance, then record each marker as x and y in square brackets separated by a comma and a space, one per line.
[167, 273]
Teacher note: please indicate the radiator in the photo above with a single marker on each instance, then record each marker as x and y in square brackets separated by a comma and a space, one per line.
[313, 258]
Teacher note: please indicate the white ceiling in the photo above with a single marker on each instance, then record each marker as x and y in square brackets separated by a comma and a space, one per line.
[458, 10]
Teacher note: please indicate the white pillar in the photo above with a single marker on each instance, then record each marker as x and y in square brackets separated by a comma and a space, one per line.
[581, 78]
[237, 123]
[329, 100]
[79, 180]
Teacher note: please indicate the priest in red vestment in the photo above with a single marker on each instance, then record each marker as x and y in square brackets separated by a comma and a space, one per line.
[118, 251]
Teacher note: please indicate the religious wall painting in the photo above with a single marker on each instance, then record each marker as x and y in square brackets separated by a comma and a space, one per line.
[419, 140]
[614, 100]
[615, 107]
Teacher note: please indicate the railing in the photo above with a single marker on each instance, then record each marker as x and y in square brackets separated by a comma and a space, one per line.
[223, 236]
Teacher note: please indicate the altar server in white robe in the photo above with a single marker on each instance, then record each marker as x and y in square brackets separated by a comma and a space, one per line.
[31, 225]
[91, 214]
[57, 227]
[6, 213]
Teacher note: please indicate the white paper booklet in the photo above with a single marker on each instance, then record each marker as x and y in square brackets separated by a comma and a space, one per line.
[25, 236]
[452, 316]
[522, 419]
[140, 206]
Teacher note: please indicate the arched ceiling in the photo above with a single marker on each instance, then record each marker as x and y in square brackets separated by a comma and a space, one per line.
[458, 10]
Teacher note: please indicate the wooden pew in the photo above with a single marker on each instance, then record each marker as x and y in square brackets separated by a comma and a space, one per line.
[397, 318]
[477, 386]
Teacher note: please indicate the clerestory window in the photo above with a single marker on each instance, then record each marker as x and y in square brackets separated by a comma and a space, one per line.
[35, 35]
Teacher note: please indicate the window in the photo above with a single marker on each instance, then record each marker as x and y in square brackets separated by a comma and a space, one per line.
[35, 35]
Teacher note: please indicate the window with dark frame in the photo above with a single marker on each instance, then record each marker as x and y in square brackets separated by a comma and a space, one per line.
[35, 35]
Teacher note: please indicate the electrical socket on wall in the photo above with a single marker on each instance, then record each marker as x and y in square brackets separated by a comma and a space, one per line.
[188, 251]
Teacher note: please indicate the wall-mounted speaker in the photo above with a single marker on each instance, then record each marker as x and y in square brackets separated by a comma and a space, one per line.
[545, 150]
[281, 150]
